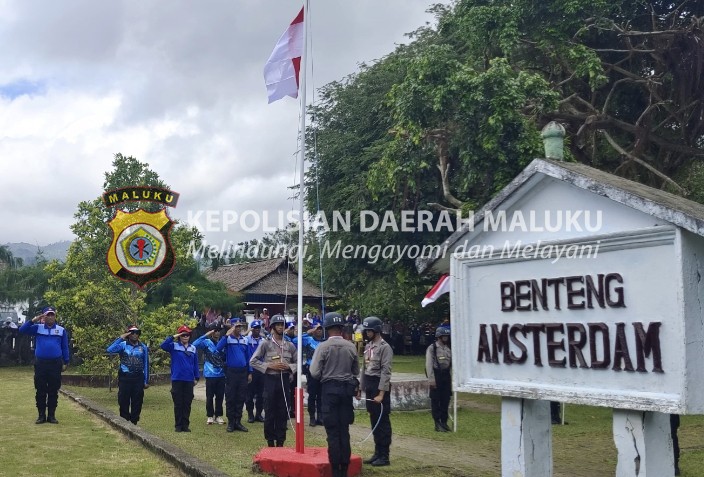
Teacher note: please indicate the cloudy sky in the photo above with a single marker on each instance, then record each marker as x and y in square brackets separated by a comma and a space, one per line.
[177, 84]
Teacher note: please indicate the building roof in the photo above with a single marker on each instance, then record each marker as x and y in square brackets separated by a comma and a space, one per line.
[271, 277]
[672, 208]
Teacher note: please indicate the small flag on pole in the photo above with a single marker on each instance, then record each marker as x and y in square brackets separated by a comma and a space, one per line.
[440, 288]
[282, 69]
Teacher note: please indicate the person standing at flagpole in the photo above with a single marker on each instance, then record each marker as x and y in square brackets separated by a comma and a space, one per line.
[376, 383]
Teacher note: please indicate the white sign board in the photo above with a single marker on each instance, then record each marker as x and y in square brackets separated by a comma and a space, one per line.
[597, 321]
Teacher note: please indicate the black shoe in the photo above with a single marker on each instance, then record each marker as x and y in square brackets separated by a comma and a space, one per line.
[178, 429]
[319, 422]
[134, 422]
[52, 420]
[438, 427]
[41, 419]
[313, 422]
[279, 443]
[239, 427]
[380, 462]
[270, 443]
[259, 418]
[250, 420]
[186, 429]
[372, 459]
[445, 426]
[230, 428]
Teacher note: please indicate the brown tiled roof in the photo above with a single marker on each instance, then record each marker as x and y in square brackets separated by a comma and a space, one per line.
[265, 277]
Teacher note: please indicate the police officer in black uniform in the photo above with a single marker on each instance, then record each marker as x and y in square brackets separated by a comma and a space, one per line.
[376, 382]
[335, 365]
[438, 368]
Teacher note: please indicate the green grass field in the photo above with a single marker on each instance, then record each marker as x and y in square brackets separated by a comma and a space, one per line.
[582, 448]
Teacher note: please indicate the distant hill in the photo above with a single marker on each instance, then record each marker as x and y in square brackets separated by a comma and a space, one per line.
[28, 252]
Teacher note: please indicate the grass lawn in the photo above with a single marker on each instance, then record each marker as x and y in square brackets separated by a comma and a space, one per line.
[79, 446]
[584, 448]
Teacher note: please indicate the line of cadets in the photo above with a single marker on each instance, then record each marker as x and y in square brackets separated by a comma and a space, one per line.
[260, 371]
[235, 372]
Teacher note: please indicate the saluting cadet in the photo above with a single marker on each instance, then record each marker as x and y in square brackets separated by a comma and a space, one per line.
[133, 375]
[438, 368]
[238, 372]
[214, 372]
[184, 375]
[255, 388]
[50, 359]
[276, 358]
[335, 365]
[376, 382]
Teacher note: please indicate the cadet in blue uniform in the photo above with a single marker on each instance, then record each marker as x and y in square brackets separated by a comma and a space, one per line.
[311, 340]
[238, 372]
[276, 358]
[336, 367]
[50, 359]
[133, 376]
[376, 382]
[184, 375]
[214, 372]
[255, 388]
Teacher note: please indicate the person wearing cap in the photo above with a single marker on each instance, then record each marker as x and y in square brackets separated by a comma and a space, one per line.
[438, 368]
[255, 388]
[311, 340]
[185, 374]
[214, 372]
[276, 358]
[336, 367]
[51, 358]
[376, 383]
[133, 374]
[238, 373]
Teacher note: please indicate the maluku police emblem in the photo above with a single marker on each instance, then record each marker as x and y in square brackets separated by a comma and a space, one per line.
[141, 251]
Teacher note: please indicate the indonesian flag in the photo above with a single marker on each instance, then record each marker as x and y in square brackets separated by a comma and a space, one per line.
[440, 288]
[283, 66]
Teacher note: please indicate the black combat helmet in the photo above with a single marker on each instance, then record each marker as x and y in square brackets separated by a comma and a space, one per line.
[333, 319]
[442, 331]
[276, 319]
[372, 323]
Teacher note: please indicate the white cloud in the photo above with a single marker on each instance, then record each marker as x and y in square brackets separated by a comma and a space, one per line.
[176, 84]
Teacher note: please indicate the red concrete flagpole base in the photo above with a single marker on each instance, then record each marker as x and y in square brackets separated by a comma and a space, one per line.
[300, 422]
[286, 462]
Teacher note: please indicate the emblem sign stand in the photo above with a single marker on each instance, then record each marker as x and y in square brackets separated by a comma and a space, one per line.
[141, 251]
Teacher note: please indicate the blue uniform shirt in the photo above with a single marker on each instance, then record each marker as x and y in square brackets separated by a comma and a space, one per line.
[134, 359]
[51, 342]
[184, 360]
[214, 364]
[309, 345]
[237, 352]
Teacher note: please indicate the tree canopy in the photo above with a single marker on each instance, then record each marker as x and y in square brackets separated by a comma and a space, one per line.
[445, 122]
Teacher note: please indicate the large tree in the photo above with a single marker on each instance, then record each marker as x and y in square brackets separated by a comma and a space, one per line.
[95, 305]
[448, 120]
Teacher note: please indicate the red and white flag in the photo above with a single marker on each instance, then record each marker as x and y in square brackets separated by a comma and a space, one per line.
[282, 69]
[440, 288]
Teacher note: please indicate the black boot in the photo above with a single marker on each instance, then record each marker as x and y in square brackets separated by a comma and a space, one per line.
[381, 461]
[239, 427]
[372, 458]
[41, 419]
[51, 418]
[313, 423]
[438, 426]
[259, 417]
[270, 443]
[445, 426]
[279, 443]
[250, 417]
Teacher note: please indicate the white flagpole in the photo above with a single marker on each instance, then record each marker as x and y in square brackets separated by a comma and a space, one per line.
[300, 443]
